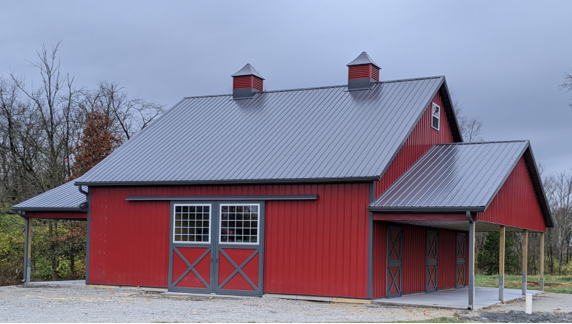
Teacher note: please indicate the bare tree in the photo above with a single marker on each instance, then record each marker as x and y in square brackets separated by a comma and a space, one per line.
[470, 127]
[558, 188]
[567, 85]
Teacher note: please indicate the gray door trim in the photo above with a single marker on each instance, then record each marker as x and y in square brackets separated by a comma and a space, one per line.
[191, 264]
[258, 291]
[460, 263]
[213, 248]
[391, 247]
[432, 246]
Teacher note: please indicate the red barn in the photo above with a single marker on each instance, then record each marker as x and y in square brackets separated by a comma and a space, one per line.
[363, 190]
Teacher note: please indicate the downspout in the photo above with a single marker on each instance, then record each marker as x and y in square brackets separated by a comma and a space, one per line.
[27, 264]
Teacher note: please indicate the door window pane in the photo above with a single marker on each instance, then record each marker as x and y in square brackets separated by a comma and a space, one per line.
[192, 223]
[239, 223]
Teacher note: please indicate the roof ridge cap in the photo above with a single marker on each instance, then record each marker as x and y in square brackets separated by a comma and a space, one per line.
[317, 88]
[483, 142]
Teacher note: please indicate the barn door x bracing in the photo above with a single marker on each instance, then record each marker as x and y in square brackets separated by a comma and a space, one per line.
[394, 260]
[432, 263]
[217, 247]
[460, 266]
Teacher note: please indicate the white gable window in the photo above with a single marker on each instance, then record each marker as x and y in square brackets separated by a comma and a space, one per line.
[435, 114]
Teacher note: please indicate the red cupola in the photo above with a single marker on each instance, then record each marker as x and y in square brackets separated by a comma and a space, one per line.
[362, 73]
[246, 83]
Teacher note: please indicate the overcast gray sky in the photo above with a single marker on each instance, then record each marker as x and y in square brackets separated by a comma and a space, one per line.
[503, 60]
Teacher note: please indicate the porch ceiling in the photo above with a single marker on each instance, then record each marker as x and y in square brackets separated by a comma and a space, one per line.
[459, 226]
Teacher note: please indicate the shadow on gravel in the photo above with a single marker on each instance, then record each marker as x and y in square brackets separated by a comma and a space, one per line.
[521, 317]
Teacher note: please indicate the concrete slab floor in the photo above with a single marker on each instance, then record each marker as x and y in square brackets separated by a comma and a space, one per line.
[78, 283]
[456, 298]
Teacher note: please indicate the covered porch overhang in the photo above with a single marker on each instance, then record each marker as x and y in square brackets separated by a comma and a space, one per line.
[478, 297]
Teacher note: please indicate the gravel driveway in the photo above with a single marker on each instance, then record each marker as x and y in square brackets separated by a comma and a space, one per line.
[80, 304]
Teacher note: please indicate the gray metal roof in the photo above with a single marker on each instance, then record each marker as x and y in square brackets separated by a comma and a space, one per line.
[459, 177]
[305, 135]
[362, 59]
[247, 70]
[63, 198]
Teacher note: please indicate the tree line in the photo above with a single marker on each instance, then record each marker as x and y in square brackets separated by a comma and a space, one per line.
[52, 132]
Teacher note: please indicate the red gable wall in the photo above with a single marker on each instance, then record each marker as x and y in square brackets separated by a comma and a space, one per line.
[421, 139]
[515, 204]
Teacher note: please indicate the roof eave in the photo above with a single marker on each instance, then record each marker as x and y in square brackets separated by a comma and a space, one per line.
[227, 182]
[440, 209]
[45, 209]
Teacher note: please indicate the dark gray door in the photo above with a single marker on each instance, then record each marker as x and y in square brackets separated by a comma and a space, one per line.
[432, 260]
[217, 247]
[394, 260]
[460, 266]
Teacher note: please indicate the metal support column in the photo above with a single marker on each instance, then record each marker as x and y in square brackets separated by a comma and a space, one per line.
[25, 270]
[501, 262]
[524, 259]
[541, 261]
[28, 249]
[471, 262]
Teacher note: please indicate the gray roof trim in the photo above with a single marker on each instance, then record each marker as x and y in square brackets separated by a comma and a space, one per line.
[226, 182]
[538, 187]
[45, 209]
[425, 209]
[449, 112]
[233, 198]
[65, 197]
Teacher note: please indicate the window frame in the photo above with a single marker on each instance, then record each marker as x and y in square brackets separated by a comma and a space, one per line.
[219, 230]
[438, 117]
[175, 222]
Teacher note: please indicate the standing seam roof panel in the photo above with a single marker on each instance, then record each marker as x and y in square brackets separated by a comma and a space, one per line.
[318, 133]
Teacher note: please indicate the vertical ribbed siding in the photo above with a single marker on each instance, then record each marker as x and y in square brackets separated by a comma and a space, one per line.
[516, 203]
[379, 259]
[447, 260]
[312, 247]
[360, 72]
[420, 140]
[257, 83]
[414, 247]
[242, 82]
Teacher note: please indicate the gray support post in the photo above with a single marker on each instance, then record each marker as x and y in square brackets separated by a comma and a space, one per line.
[524, 259]
[471, 262]
[501, 262]
[28, 248]
[541, 261]
[25, 270]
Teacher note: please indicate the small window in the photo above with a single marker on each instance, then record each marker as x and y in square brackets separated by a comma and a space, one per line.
[192, 223]
[239, 224]
[435, 115]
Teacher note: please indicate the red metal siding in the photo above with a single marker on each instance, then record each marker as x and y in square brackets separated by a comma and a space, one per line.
[414, 241]
[257, 83]
[242, 82]
[379, 259]
[447, 260]
[312, 247]
[420, 140]
[56, 215]
[360, 71]
[515, 204]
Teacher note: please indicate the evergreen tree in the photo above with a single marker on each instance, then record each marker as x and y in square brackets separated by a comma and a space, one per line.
[488, 259]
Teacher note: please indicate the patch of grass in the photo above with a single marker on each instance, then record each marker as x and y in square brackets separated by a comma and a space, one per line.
[553, 284]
